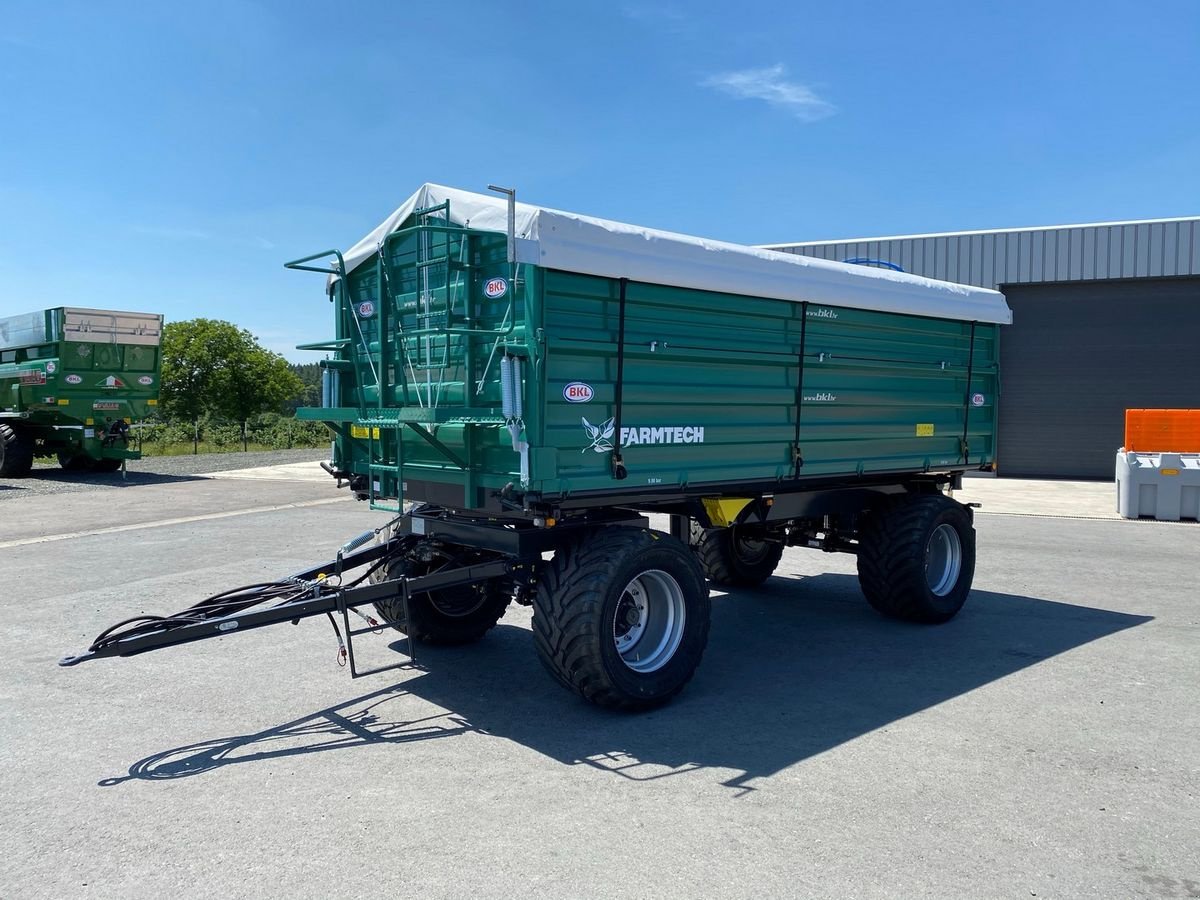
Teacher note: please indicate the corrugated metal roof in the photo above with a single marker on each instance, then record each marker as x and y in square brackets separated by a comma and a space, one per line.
[1135, 249]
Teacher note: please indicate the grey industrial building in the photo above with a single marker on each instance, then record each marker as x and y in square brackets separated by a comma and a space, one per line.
[1106, 317]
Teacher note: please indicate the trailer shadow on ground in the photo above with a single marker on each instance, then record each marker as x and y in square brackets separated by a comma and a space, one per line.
[109, 479]
[791, 670]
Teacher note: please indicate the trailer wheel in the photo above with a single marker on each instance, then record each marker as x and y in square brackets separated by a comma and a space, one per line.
[916, 559]
[730, 557]
[106, 465]
[621, 617]
[16, 451]
[456, 615]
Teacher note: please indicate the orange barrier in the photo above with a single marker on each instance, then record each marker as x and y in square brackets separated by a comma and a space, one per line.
[1162, 430]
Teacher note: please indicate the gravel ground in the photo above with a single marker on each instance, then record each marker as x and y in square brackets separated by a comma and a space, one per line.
[48, 478]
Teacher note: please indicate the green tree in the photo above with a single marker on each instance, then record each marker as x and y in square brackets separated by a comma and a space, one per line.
[211, 367]
[310, 374]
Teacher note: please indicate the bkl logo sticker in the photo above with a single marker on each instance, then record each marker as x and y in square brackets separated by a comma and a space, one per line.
[74, 379]
[495, 288]
[146, 381]
[366, 309]
[978, 399]
[578, 392]
[112, 381]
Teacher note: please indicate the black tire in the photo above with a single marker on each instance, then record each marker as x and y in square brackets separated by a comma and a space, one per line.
[899, 543]
[16, 451]
[74, 461]
[457, 615]
[106, 465]
[579, 627]
[729, 557]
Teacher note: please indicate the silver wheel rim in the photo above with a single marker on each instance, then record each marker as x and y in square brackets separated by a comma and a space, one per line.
[943, 560]
[648, 624]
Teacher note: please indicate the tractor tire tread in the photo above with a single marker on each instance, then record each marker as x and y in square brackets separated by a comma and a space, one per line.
[891, 558]
[570, 595]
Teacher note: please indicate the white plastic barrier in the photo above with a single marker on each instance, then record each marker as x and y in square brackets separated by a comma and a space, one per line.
[1163, 486]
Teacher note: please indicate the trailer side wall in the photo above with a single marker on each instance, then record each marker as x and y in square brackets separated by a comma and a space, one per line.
[710, 381]
[710, 387]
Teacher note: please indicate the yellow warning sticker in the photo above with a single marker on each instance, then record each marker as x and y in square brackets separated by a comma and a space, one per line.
[361, 431]
[924, 429]
[1168, 471]
[63, 402]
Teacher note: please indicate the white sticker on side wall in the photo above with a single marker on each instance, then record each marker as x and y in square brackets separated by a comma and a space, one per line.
[676, 434]
[978, 399]
[601, 435]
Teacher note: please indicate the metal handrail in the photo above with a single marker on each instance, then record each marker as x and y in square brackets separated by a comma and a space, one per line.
[339, 271]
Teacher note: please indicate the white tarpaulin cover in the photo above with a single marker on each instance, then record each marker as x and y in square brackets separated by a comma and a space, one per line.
[575, 243]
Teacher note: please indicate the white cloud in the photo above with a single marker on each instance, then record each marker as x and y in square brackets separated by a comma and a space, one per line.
[772, 86]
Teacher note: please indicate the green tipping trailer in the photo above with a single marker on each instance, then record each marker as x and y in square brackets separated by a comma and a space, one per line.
[521, 387]
[73, 382]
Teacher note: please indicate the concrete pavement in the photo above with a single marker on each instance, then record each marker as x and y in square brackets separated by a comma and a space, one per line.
[1045, 743]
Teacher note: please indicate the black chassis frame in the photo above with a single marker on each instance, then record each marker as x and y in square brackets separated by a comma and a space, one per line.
[820, 515]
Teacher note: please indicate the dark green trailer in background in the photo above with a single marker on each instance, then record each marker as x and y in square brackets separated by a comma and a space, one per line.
[535, 382]
[72, 383]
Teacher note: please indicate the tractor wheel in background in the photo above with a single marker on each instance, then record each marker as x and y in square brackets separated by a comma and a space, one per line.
[621, 617]
[16, 451]
[106, 465]
[454, 615]
[916, 558]
[729, 557]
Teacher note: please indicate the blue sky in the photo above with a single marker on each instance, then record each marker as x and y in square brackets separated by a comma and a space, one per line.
[169, 157]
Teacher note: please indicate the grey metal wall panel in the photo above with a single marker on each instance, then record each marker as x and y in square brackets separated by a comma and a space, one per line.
[1077, 356]
[1167, 248]
[1156, 250]
[1037, 258]
[1128, 249]
[1012, 257]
